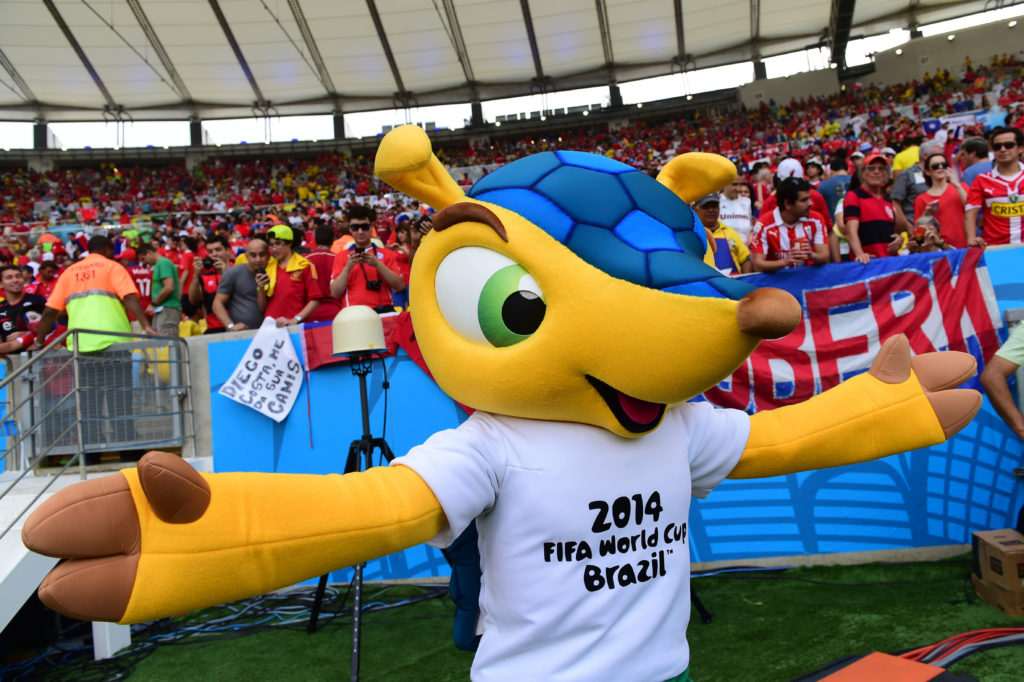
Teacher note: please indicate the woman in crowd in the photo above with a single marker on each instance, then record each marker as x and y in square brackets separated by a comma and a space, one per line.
[763, 187]
[944, 200]
[927, 236]
[401, 245]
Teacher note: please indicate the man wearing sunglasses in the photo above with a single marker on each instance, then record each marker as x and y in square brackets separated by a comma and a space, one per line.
[365, 274]
[998, 194]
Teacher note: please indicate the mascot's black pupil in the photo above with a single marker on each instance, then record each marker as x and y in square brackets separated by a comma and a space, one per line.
[522, 312]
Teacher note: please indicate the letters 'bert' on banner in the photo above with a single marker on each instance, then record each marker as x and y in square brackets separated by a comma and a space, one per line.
[269, 376]
[941, 301]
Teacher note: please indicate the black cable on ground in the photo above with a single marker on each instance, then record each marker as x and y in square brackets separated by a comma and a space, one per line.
[265, 613]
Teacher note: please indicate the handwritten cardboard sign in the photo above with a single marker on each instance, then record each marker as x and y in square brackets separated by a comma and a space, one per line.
[269, 375]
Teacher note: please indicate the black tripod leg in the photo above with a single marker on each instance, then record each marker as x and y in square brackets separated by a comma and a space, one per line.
[315, 615]
[705, 615]
[351, 464]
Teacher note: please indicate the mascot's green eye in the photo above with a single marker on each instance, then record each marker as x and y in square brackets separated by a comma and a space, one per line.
[488, 297]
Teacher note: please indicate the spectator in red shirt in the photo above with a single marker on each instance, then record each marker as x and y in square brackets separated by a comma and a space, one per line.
[46, 280]
[322, 259]
[294, 292]
[793, 234]
[943, 200]
[365, 274]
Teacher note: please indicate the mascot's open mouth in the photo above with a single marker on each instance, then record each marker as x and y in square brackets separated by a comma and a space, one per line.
[635, 415]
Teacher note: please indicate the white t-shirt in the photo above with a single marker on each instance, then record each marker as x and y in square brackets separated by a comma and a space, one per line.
[737, 214]
[552, 500]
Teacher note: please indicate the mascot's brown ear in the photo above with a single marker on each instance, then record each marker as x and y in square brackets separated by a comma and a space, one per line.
[696, 174]
[406, 162]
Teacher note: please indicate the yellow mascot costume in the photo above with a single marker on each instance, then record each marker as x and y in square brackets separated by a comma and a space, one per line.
[566, 299]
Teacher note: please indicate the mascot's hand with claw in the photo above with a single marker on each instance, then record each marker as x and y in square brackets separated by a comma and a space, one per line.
[564, 298]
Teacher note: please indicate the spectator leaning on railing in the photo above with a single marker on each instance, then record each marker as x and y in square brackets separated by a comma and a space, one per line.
[94, 292]
[868, 214]
[793, 234]
[943, 200]
[18, 311]
[998, 194]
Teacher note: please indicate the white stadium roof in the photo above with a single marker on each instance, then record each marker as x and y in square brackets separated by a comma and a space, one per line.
[76, 60]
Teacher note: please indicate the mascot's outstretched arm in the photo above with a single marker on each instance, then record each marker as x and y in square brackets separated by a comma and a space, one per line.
[164, 539]
[900, 404]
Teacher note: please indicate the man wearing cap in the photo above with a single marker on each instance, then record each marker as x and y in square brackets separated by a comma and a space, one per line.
[814, 172]
[909, 184]
[293, 292]
[165, 308]
[729, 253]
[791, 168]
[868, 214]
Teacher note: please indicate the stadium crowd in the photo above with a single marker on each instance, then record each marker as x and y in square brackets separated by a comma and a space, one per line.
[853, 176]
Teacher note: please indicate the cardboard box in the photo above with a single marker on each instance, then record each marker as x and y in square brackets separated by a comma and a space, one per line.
[1009, 602]
[998, 558]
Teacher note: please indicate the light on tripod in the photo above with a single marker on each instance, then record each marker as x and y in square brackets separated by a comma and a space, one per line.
[358, 333]
[357, 329]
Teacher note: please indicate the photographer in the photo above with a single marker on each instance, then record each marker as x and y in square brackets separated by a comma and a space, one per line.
[206, 277]
[365, 274]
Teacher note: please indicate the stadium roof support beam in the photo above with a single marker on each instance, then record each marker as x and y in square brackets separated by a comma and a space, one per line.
[606, 39]
[541, 81]
[77, 47]
[458, 42]
[314, 50]
[681, 56]
[403, 96]
[261, 102]
[755, 40]
[161, 53]
[26, 92]
[839, 30]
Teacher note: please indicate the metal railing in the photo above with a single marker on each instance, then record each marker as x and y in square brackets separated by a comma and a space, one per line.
[67, 404]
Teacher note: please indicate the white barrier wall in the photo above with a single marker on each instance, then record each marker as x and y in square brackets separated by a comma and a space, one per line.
[782, 90]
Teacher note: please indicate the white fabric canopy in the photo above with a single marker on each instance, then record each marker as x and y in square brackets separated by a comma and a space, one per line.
[175, 59]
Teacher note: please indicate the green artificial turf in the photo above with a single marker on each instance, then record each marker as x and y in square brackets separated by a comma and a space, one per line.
[769, 625]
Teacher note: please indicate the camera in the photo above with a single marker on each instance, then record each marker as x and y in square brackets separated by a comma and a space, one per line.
[208, 263]
[373, 284]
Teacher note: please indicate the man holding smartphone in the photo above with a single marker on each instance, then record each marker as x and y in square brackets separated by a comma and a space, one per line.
[365, 274]
[238, 303]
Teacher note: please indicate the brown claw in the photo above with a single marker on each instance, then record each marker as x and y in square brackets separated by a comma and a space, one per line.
[89, 519]
[91, 589]
[948, 369]
[176, 491]
[892, 364]
[955, 408]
